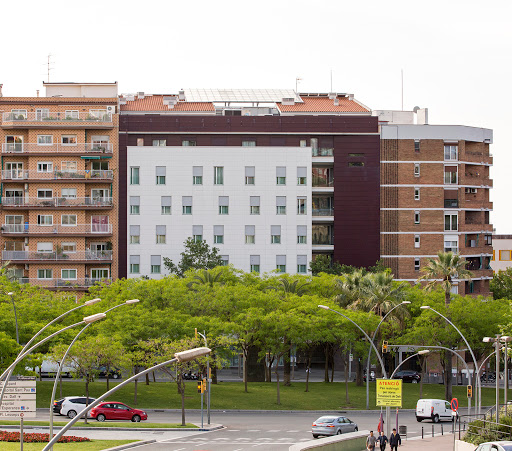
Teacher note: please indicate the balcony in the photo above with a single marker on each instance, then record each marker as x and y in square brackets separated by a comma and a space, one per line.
[56, 119]
[65, 284]
[58, 202]
[61, 149]
[57, 229]
[323, 211]
[323, 152]
[20, 176]
[47, 257]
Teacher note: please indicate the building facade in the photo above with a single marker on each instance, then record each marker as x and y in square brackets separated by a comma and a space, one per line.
[59, 185]
[501, 252]
[269, 177]
[435, 196]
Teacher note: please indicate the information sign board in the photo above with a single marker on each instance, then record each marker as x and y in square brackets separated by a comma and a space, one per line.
[19, 398]
[389, 392]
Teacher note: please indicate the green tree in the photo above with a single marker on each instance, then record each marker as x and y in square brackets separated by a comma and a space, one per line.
[197, 255]
[501, 284]
[205, 277]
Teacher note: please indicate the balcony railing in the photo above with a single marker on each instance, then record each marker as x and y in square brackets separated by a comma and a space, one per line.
[65, 283]
[57, 229]
[320, 182]
[55, 202]
[55, 116]
[322, 240]
[57, 256]
[323, 211]
[28, 148]
[323, 152]
[17, 174]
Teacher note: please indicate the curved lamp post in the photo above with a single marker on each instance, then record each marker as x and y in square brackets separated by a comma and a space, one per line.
[207, 378]
[427, 307]
[422, 352]
[183, 356]
[478, 376]
[11, 294]
[61, 365]
[370, 353]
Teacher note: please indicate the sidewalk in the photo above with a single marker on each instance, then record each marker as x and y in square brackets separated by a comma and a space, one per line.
[438, 443]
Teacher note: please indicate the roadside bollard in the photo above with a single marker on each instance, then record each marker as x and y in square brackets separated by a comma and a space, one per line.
[422, 432]
[442, 429]
[432, 430]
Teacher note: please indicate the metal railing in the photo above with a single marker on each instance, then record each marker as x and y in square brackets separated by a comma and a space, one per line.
[18, 174]
[55, 116]
[323, 152]
[319, 182]
[322, 240]
[56, 148]
[56, 256]
[37, 229]
[53, 202]
[323, 211]
[65, 283]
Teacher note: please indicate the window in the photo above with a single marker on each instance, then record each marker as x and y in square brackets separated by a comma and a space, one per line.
[159, 142]
[134, 264]
[98, 274]
[249, 143]
[156, 264]
[43, 166]
[416, 264]
[280, 205]
[450, 175]
[254, 205]
[44, 140]
[314, 147]
[197, 233]
[488, 240]
[450, 152]
[160, 175]
[416, 169]
[302, 175]
[135, 234]
[301, 206]
[255, 263]
[68, 274]
[280, 175]
[275, 234]
[166, 205]
[188, 143]
[160, 234]
[303, 143]
[100, 165]
[505, 255]
[250, 234]
[416, 217]
[223, 205]
[281, 263]
[451, 243]
[44, 193]
[42, 113]
[416, 241]
[218, 234]
[416, 145]
[68, 220]
[19, 114]
[69, 166]
[97, 114]
[218, 175]
[186, 202]
[68, 247]
[71, 114]
[44, 274]
[68, 140]
[416, 194]
[302, 231]
[451, 221]
[197, 175]
[355, 164]
[45, 220]
[135, 205]
[302, 264]
[44, 247]
[225, 260]
[68, 193]
[140, 142]
[250, 175]
[134, 176]
[15, 246]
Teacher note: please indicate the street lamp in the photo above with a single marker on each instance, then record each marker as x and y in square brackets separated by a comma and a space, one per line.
[61, 365]
[496, 342]
[11, 294]
[208, 379]
[370, 353]
[427, 307]
[422, 352]
[505, 339]
[183, 356]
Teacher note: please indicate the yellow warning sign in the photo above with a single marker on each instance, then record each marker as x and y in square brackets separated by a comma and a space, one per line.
[389, 392]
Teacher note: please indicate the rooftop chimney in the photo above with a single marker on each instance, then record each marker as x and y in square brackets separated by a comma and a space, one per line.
[336, 101]
[140, 95]
[181, 95]
[37, 92]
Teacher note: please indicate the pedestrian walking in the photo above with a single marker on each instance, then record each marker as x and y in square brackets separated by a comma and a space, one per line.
[371, 440]
[395, 440]
[383, 440]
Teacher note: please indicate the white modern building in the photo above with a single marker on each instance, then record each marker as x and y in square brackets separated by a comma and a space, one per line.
[501, 252]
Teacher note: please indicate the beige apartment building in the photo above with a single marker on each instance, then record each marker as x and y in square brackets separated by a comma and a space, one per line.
[59, 185]
[435, 196]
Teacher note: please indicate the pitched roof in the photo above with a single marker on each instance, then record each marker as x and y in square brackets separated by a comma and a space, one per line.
[156, 103]
[313, 104]
[58, 100]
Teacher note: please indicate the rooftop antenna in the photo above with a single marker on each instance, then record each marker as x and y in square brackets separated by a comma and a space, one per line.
[48, 66]
[331, 81]
[402, 89]
[297, 84]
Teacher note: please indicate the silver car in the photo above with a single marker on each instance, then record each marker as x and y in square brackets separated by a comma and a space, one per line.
[495, 446]
[332, 425]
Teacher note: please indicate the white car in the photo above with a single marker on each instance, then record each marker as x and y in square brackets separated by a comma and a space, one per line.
[72, 405]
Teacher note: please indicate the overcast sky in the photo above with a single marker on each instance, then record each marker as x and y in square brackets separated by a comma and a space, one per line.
[456, 54]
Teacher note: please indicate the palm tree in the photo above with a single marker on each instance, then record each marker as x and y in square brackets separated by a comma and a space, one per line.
[205, 278]
[350, 288]
[291, 287]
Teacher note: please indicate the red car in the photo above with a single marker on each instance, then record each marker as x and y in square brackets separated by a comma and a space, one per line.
[117, 411]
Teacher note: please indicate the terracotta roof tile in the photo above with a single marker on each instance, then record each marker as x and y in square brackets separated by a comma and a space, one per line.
[156, 103]
[68, 100]
[323, 105]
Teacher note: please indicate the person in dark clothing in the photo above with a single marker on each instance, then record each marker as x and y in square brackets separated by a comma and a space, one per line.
[382, 439]
[395, 440]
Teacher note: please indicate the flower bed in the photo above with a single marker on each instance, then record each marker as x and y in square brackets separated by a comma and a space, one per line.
[38, 438]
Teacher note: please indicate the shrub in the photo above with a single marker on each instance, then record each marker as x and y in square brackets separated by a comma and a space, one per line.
[38, 438]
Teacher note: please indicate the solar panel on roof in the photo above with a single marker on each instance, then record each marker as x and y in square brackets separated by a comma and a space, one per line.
[240, 95]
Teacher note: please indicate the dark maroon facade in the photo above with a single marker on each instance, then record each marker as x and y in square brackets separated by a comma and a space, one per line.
[356, 145]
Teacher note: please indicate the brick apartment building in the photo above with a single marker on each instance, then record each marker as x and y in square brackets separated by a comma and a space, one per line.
[435, 195]
[59, 185]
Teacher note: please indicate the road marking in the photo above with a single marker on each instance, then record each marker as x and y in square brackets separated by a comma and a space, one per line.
[233, 430]
[274, 430]
[253, 430]
[292, 431]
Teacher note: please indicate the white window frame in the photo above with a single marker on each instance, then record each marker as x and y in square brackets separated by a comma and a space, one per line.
[69, 137]
[67, 218]
[46, 191]
[71, 114]
[132, 169]
[417, 241]
[218, 175]
[453, 152]
[50, 143]
[451, 214]
[254, 209]
[49, 167]
[68, 278]
[68, 193]
[302, 208]
[416, 193]
[69, 244]
[46, 271]
[416, 170]
[64, 166]
[417, 264]
[44, 247]
[100, 269]
[417, 217]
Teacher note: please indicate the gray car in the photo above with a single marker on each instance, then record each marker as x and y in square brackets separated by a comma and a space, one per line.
[495, 446]
[332, 425]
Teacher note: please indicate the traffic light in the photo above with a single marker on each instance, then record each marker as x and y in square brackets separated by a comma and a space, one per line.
[203, 385]
[470, 391]
[196, 332]
[384, 347]
[199, 387]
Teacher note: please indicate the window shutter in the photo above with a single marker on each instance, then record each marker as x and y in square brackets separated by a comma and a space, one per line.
[134, 200]
[218, 230]
[197, 230]
[281, 201]
[197, 171]
[255, 201]
[249, 171]
[160, 170]
[250, 230]
[275, 230]
[302, 171]
[302, 230]
[281, 171]
[186, 201]
[134, 259]
[223, 201]
[255, 259]
[302, 259]
[166, 201]
[156, 260]
[160, 229]
[280, 259]
[135, 230]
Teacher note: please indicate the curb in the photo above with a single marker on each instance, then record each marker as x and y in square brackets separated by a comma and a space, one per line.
[81, 428]
[130, 445]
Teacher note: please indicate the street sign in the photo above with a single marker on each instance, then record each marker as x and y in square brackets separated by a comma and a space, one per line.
[351, 357]
[389, 392]
[455, 404]
[19, 399]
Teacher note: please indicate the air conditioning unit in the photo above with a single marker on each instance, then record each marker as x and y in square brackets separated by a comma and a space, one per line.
[472, 243]
[288, 101]
[111, 109]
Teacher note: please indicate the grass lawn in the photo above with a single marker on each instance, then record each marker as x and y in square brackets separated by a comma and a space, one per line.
[261, 396]
[93, 445]
[105, 424]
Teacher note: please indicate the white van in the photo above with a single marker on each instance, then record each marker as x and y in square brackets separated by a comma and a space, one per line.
[49, 369]
[433, 409]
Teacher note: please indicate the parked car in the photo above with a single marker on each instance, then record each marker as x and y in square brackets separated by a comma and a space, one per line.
[57, 404]
[372, 376]
[332, 425]
[117, 411]
[433, 409]
[72, 405]
[488, 377]
[113, 373]
[495, 446]
[408, 376]
[49, 368]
